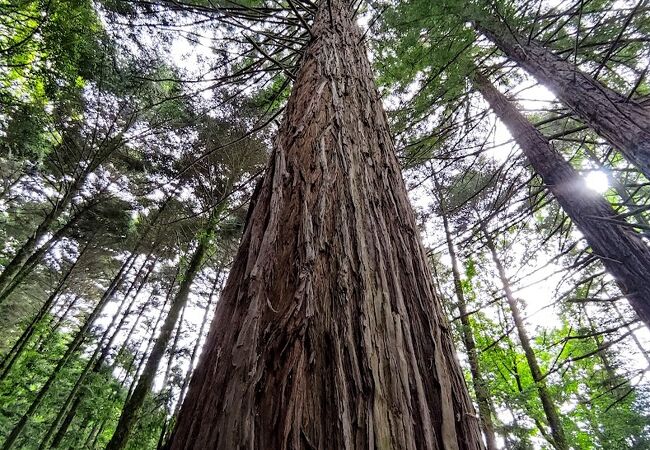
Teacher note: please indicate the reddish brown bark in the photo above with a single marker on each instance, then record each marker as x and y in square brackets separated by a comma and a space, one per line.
[624, 123]
[328, 333]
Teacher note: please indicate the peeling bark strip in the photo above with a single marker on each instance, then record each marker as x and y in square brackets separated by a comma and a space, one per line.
[624, 123]
[622, 251]
[328, 333]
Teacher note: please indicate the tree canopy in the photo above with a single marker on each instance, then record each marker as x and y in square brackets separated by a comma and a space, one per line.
[138, 139]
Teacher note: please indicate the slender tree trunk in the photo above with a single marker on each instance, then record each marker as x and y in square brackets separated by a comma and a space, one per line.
[150, 342]
[550, 411]
[9, 183]
[114, 397]
[633, 335]
[624, 123]
[328, 333]
[35, 257]
[27, 249]
[598, 340]
[480, 386]
[134, 327]
[197, 344]
[96, 361]
[94, 435]
[28, 255]
[65, 425]
[170, 361]
[56, 323]
[80, 435]
[15, 352]
[617, 184]
[70, 350]
[23, 253]
[218, 282]
[621, 250]
[138, 368]
[170, 364]
[174, 346]
[520, 388]
[136, 400]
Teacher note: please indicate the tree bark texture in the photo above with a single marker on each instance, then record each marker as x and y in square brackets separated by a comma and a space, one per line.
[328, 333]
[624, 123]
[621, 250]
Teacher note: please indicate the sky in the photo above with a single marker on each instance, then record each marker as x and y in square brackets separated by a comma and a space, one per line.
[538, 295]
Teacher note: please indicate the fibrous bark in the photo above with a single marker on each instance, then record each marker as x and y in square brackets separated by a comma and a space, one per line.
[621, 250]
[624, 123]
[328, 333]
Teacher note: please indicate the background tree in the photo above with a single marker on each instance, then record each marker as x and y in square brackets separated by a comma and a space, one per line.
[121, 124]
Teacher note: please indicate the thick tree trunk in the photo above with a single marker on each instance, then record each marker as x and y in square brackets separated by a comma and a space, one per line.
[550, 411]
[621, 250]
[481, 390]
[328, 333]
[135, 401]
[624, 123]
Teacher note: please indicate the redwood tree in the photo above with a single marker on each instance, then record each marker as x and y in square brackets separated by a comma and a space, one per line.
[328, 333]
[621, 250]
[620, 120]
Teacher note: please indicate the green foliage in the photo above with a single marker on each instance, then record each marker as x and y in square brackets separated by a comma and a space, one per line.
[153, 155]
[100, 408]
[50, 50]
